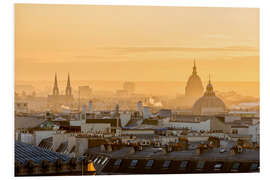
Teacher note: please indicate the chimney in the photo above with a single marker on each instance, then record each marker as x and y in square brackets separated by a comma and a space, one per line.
[83, 114]
[131, 150]
[232, 152]
[90, 107]
[198, 151]
[102, 148]
[109, 148]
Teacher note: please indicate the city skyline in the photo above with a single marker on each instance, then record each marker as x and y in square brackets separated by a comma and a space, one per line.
[104, 90]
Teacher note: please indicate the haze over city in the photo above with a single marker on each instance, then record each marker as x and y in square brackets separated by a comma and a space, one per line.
[156, 44]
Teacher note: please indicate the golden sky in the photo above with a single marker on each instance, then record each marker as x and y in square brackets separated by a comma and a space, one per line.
[136, 43]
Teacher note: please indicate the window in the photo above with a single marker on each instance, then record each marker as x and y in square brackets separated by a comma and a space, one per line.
[254, 166]
[149, 163]
[134, 163]
[236, 166]
[118, 162]
[183, 164]
[235, 131]
[99, 161]
[104, 161]
[200, 165]
[95, 159]
[166, 164]
[218, 166]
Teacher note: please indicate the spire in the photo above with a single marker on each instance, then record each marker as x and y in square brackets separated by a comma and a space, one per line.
[194, 68]
[68, 88]
[55, 87]
[68, 82]
[209, 88]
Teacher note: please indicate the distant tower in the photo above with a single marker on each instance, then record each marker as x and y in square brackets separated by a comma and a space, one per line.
[68, 88]
[140, 106]
[55, 87]
[146, 112]
[83, 114]
[117, 108]
[90, 107]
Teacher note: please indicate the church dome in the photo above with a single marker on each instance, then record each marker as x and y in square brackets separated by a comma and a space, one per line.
[209, 103]
[194, 87]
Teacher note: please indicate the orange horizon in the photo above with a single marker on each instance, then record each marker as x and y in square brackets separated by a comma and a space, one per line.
[137, 43]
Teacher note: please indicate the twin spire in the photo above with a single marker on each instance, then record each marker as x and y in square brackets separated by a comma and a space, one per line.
[56, 89]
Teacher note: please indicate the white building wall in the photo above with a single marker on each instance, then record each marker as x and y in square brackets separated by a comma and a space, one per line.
[169, 139]
[197, 138]
[232, 118]
[205, 125]
[254, 130]
[125, 118]
[81, 146]
[27, 138]
[42, 134]
[241, 131]
[21, 107]
[58, 139]
[75, 123]
[146, 112]
[94, 127]
[138, 131]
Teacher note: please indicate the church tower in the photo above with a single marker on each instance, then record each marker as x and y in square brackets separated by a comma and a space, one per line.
[68, 88]
[55, 87]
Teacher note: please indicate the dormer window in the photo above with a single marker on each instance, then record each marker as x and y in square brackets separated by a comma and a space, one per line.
[218, 166]
[254, 166]
[149, 163]
[117, 162]
[166, 164]
[134, 163]
[183, 164]
[236, 166]
[200, 164]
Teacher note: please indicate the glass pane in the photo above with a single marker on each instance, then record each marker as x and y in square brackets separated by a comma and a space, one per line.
[166, 164]
[183, 164]
[218, 166]
[200, 164]
[150, 163]
[117, 162]
[133, 163]
[236, 166]
[253, 166]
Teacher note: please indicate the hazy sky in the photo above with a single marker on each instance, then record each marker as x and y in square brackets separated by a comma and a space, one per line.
[135, 43]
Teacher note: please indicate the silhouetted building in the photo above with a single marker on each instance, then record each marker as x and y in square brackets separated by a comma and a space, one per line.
[194, 87]
[56, 100]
